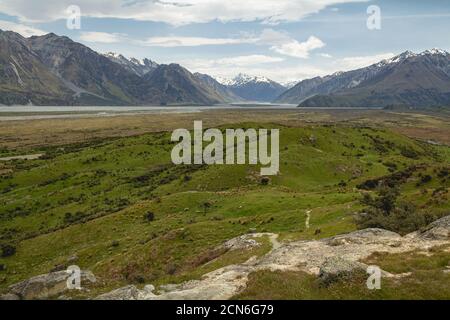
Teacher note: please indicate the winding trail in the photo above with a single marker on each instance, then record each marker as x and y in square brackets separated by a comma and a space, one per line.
[308, 217]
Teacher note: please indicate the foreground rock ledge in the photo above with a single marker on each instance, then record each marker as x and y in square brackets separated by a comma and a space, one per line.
[327, 259]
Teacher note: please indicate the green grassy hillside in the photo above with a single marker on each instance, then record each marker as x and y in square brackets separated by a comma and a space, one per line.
[92, 200]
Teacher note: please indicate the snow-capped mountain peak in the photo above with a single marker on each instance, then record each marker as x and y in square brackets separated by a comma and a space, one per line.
[435, 51]
[409, 54]
[253, 88]
[243, 79]
[290, 84]
[138, 66]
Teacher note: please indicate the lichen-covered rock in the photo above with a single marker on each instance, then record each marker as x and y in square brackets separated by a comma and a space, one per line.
[47, 285]
[336, 269]
[438, 230]
[240, 243]
[125, 293]
[9, 296]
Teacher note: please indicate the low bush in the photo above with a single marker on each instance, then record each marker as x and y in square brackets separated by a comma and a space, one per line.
[8, 250]
[385, 211]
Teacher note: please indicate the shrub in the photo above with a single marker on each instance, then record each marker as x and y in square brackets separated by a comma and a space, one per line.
[115, 243]
[206, 205]
[149, 216]
[386, 212]
[424, 180]
[409, 153]
[170, 269]
[8, 250]
[444, 172]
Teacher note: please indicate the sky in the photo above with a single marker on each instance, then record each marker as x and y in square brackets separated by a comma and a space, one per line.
[284, 40]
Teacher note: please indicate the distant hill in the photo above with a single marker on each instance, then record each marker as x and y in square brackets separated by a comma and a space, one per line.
[260, 89]
[410, 80]
[54, 70]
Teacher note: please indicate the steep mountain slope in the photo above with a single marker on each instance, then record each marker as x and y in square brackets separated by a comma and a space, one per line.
[139, 67]
[173, 84]
[23, 78]
[250, 88]
[338, 81]
[416, 80]
[90, 74]
[302, 90]
[222, 90]
[54, 70]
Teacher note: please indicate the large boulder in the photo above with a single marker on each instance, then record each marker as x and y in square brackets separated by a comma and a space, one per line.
[47, 285]
[363, 237]
[9, 296]
[438, 230]
[241, 243]
[336, 269]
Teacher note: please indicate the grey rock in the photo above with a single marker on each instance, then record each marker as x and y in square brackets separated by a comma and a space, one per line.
[438, 230]
[72, 259]
[9, 296]
[241, 243]
[47, 285]
[362, 236]
[125, 293]
[336, 268]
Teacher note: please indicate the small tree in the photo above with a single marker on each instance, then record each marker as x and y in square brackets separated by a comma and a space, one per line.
[149, 216]
[206, 205]
[265, 181]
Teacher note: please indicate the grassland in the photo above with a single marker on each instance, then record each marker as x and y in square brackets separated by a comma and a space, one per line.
[90, 194]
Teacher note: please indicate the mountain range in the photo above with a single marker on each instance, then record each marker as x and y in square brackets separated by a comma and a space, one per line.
[54, 70]
[407, 80]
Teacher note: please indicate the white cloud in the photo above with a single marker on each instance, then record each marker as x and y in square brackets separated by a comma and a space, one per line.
[24, 30]
[280, 42]
[175, 12]
[174, 41]
[248, 60]
[101, 37]
[352, 63]
[297, 49]
[325, 55]
[231, 62]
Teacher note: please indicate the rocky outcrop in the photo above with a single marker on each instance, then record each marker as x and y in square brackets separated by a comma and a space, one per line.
[438, 230]
[329, 259]
[241, 243]
[45, 286]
